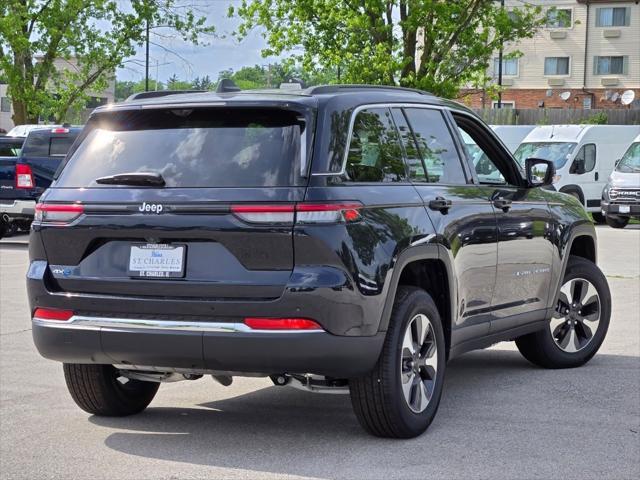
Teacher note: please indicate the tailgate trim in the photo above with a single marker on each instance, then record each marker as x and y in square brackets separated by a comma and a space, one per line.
[80, 322]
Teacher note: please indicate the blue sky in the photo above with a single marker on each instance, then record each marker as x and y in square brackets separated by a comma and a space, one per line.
[191, 61]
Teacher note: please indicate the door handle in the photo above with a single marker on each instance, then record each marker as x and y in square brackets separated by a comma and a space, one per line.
[441, 204]
[502, 203]
[597, 176]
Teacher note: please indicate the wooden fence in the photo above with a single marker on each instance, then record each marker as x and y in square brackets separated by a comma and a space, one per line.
[558, 116]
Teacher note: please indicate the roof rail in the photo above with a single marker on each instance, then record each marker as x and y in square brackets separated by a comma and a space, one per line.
[160, 93]
[226, 85]
[320, 89]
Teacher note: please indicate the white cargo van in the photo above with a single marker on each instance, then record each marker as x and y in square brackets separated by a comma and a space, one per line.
[512, 135]
[584, 156]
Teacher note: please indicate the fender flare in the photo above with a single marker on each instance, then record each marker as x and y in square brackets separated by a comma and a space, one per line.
[430, 251]
[574, 188]
[585, 229]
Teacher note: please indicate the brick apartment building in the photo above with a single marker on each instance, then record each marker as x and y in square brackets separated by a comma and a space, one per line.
[587, 56]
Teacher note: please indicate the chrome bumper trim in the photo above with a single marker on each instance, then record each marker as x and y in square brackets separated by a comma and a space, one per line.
[19, 207]
[80, 322]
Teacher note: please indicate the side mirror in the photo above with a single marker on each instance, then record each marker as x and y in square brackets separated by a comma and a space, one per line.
[539, 172]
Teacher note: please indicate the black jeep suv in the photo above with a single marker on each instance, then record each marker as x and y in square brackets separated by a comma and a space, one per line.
[337, 238]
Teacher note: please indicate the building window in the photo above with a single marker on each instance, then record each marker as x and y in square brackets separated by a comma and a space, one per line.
[613, 17]
[5, 104]
[559, 18]
[556, 66]
[509, 67]
[610, 65]
[505, 104]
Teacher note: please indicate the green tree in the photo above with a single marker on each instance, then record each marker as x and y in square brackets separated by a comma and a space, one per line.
[436, 45]
[126, 88]
[204, 83]
[93, 37]
[174, 83]
[272, 75]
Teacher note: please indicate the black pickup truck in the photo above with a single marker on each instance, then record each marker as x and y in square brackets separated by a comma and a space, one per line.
[27, 171]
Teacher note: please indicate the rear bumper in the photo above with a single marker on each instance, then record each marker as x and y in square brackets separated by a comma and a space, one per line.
[18, 208]
[222, 346]
[609, 208]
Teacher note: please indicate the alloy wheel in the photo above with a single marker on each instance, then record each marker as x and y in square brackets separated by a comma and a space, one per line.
[577, 315]
[418, 363]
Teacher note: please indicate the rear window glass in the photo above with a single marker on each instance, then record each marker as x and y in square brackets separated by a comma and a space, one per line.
[60, 145]
[10, 149]
[192, 148]
[46, 144]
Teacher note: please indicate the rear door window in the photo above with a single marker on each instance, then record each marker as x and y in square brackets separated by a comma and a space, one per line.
[219, 147]
[435, 145]
[374, 153]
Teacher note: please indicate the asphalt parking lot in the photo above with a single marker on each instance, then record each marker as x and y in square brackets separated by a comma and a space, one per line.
[500, 417]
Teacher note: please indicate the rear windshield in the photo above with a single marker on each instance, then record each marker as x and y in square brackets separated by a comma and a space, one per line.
[218, 147]
[10, 148]
[46, 144]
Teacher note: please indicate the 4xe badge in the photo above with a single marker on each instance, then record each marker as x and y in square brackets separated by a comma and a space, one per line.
[150, 207]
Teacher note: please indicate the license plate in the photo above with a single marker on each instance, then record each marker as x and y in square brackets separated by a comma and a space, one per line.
[153, 260]
[624, 209]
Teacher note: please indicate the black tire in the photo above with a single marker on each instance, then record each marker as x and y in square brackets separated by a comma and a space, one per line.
[541, 349]
[4, 228]
[97, 390]
[377, 398]
[617, 222]
[599, 218]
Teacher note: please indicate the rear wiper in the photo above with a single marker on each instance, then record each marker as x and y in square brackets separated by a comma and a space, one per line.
[133, 178]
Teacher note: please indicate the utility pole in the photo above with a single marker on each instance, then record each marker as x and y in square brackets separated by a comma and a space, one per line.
[146, 61]
[500, 54]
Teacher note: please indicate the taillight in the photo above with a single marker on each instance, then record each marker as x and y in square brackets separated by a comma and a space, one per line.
[60, 130]
[52, 314]
[328, 212]
[281, 324]
[264, 213]
[306, 213]
[58, 213]
[24, 176]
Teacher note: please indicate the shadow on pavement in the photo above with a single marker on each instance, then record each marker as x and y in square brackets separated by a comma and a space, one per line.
[286, 431]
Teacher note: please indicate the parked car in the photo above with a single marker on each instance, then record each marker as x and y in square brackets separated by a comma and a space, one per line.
[23, 178]
[337, 239]
[512, 135]
[24, 130]
[584, 157]
[621, 195]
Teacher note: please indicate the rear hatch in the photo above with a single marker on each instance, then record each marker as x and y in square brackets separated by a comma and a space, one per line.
[171, 203]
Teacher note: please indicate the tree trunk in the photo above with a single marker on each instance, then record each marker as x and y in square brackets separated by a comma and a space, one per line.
[20, 116]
